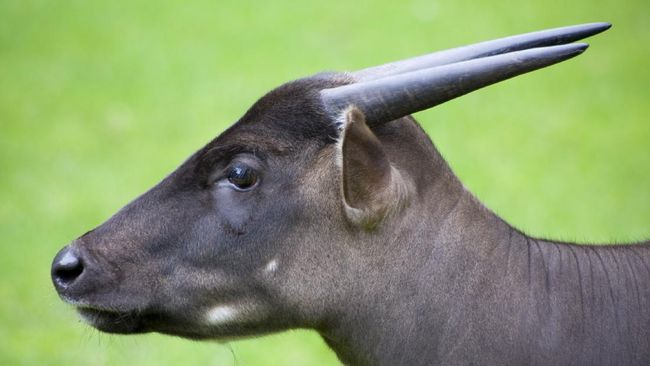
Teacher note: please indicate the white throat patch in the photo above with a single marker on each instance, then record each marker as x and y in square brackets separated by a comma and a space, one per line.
[221, 314]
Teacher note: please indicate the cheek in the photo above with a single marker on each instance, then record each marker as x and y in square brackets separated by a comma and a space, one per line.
[235, 210]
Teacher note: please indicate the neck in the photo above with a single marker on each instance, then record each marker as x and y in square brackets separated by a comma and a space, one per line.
[472, 274]
[412, 294]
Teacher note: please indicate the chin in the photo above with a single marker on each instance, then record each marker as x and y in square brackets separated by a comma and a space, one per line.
[115, 322]
[136, 322]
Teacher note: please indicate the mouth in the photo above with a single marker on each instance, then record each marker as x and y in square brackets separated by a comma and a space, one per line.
[139, 321]
[109, 321]
[133, 322]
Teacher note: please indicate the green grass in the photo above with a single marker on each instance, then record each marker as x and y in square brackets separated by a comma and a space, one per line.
[99, 100]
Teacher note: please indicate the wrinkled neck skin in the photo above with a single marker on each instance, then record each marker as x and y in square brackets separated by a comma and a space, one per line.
[449, 282]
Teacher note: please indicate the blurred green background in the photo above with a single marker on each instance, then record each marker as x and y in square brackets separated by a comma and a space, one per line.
[100, 100]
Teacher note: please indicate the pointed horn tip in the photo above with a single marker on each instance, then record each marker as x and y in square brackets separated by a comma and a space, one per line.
[558, 53]
[605, 25]
[580, 47]
[581, 31]
[599, 27]
[564, 51]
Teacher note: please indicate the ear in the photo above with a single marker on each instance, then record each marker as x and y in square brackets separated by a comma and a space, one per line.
[372, 187]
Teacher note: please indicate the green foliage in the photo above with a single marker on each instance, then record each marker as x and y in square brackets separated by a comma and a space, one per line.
[99, 100]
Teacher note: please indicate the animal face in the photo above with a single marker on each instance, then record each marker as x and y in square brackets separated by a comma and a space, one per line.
[221, 245]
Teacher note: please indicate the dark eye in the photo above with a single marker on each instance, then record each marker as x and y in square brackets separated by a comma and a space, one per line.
[242, 177]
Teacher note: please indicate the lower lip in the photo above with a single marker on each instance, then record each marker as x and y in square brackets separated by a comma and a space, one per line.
[110, 321]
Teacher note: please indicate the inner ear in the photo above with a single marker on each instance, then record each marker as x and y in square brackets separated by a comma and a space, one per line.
[372, 187]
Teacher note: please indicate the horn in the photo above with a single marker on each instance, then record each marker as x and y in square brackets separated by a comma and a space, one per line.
[549, 37]
[383, 100]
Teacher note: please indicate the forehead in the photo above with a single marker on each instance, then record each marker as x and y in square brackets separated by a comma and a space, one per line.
[291, 113]
[289, 118]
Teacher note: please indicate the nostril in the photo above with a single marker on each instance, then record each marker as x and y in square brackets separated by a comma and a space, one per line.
[66, 268]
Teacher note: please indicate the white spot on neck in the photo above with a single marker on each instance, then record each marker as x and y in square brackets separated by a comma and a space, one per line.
[221, 314]
[272, 266]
